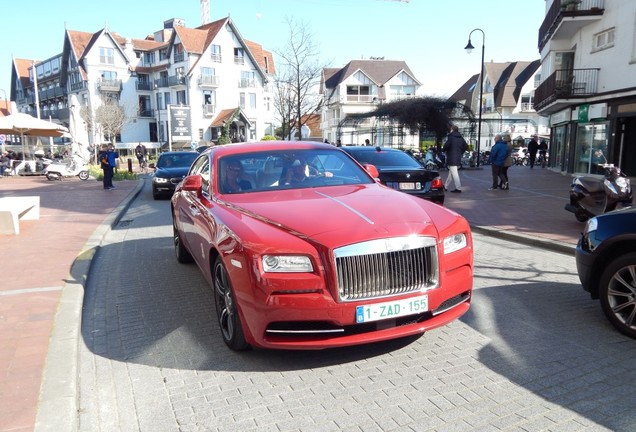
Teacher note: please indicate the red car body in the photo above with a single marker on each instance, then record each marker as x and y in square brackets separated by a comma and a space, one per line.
[360, 262]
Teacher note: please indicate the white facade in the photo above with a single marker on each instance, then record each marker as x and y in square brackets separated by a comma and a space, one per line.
[363, 85]
[210, 69]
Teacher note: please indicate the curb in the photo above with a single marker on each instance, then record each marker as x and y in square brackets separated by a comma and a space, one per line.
[551, 245]
[57, 406]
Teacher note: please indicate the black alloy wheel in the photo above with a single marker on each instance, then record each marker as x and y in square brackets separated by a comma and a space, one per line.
[226, 310]
[617, 291]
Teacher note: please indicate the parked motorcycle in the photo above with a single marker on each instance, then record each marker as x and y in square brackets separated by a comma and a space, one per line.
[593, 195]
[71, 167]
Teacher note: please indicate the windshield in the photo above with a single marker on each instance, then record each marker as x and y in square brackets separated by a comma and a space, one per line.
[292, 169]
[386, 159]
[175, 160]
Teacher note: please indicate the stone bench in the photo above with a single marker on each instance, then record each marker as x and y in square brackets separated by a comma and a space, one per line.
[12, 209]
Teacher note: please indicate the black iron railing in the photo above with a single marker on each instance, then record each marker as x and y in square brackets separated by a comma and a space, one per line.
[566, 84]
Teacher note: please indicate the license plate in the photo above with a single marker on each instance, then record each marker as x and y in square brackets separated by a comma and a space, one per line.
[394, 309]
[407, 186]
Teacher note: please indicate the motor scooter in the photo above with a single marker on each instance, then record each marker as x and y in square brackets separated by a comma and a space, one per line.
[70, 167]
[594, 195]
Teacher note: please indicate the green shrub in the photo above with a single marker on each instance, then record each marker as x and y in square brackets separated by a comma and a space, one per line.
[119, 174]
[268, 138]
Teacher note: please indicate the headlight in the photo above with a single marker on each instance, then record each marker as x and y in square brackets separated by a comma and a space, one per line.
[590, 226]
[287, 264]
[454, 243]
[160, 180]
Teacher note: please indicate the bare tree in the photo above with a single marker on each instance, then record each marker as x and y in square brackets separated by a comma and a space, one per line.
[284, 103]
[111, 118]
[299, 77]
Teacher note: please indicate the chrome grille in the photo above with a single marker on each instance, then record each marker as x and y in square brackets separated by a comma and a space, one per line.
[386, 267]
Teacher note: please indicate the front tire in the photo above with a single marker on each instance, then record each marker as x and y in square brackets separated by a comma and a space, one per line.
[180, 251]
[226, 309]
[83, 175]
[617, 292]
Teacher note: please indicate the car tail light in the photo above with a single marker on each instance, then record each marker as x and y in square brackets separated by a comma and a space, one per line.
[437, 183]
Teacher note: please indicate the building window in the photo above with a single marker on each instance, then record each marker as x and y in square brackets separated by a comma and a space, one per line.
[359, 93]
[252, 100]
[107, 56]
[181, 97]
[209, 97]
[239, 56]
[242, 100]
[604, 40]
[215, 51]
[163, 54]
[149, 58]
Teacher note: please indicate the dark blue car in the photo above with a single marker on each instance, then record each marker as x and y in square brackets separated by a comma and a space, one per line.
[171, 168]
[606, 264]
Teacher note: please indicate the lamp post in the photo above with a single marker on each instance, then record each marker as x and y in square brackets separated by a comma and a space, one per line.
[469, 48]
[158, 115]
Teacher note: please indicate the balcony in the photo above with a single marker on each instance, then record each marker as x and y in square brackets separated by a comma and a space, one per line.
[176, 80]
[109, 85]
[161, 82]
[208, 110]
[216, 58]
[146, 112]
[527, 106]
[556, 92]
[361, 98]
[566, 17]
[239, 60]
[145, 85]
[74, 87]
[51, 93]
[247, 83]
[209, 80]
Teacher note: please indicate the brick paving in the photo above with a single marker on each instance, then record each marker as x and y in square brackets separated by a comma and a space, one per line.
[35, 264]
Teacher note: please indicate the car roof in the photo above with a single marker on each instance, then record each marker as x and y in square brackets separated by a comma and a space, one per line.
[369, 148]
[259, 146]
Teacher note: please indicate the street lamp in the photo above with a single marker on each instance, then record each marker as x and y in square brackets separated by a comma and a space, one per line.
[469, 48]
[159, 129]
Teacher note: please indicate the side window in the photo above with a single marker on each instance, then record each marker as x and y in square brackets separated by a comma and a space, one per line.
[201, 166]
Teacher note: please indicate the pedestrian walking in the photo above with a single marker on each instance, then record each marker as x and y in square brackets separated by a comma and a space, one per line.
[454, 148]
[507, 163]
[533, 147]
[141, 152]
[498, 154]
[543, 153]
[108, 160]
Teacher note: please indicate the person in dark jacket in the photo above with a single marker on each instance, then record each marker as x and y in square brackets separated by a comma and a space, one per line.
[454, 148]
[533, 147]
[498, 154]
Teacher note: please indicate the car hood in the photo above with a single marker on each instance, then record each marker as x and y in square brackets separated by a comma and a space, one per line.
[172, 172]
[352, 212]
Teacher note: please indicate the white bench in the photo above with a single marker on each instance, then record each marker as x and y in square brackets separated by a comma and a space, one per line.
[12, 209]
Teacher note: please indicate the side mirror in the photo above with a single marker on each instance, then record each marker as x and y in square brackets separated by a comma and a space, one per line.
[152, 166]
[372, 170]
[193, 183]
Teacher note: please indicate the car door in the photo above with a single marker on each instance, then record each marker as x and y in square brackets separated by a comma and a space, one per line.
[195, 213]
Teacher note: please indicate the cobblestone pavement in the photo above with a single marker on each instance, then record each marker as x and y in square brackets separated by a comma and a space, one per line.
[534, 353]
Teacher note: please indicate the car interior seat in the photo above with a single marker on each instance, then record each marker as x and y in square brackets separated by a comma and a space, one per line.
[269, 175]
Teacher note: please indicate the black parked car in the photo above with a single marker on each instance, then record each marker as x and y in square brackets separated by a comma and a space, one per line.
[606, 263]
[399, 170]
[171, 168]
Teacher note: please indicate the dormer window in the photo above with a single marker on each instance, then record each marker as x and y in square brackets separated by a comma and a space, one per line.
[106, 55]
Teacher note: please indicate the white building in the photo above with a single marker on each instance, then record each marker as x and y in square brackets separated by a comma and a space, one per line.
[588, 90]
[507, 102]
[180, 85]
[359, 87]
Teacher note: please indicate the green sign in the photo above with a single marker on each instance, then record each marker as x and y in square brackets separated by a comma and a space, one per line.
[583, 113]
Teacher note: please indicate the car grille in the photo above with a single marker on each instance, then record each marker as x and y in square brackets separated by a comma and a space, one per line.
[386, 267]
[176, 180]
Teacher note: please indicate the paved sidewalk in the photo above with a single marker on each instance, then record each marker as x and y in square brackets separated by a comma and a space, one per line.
[35, 269]
[44, 269]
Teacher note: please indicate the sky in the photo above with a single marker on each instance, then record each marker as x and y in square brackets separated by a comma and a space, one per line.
[429, 35]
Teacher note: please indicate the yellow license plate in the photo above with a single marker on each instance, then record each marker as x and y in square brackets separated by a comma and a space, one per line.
[407, 186]
[393, 309]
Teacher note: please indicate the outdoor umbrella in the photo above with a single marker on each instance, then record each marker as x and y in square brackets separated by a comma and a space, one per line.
[27, 125]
